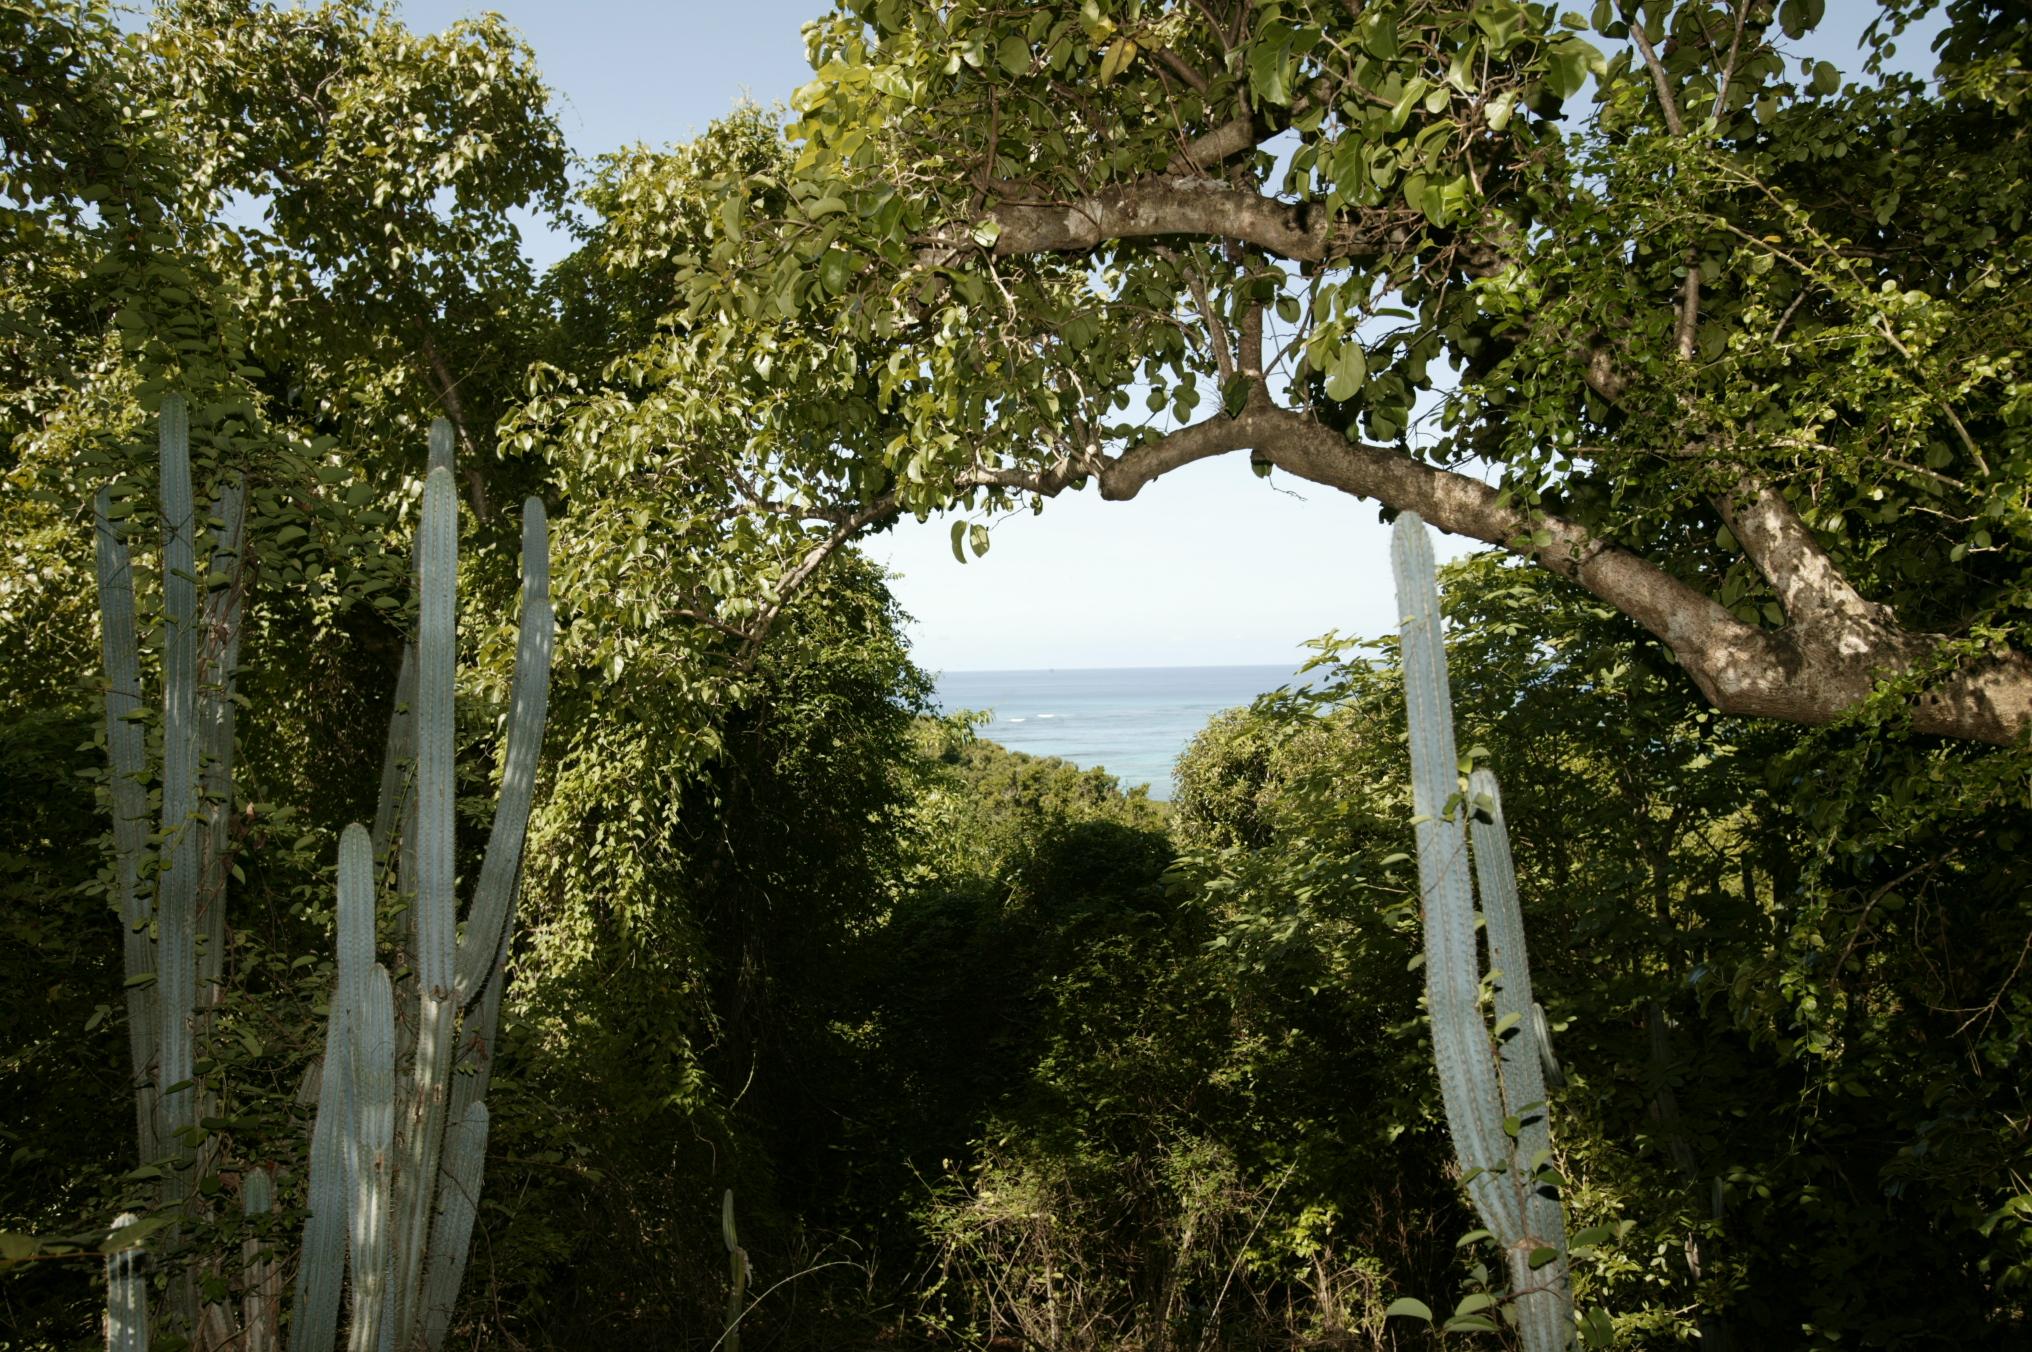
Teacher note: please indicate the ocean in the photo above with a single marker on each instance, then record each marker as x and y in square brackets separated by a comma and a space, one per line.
[1131, 721]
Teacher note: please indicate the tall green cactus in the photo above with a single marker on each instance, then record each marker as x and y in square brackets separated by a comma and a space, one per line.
[1492, 1084]
[393, 1189]
[412, 1146]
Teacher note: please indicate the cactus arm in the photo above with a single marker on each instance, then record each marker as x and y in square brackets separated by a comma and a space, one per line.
[176, 956]
[1510, 968]
[527, 706]
[441, 444]
[355, 915]
[373, 1075]
[126, 752]
[224, 605]
[1468, 1089]
[435, 907]
[315, 1310]
[1543, 1298]
[126, 1294]
[261, 1301]
[737, 1274]
[465, 1154]
[437, 656]
[421, 1155]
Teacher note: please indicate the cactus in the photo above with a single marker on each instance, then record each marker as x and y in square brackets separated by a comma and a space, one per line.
[261, 1279]
[737, 1274]
[196, 778]
[172, 975]
[1492, 1087]
[126, 1293]
[393, 1190]
[127, 752]
[411, 1147]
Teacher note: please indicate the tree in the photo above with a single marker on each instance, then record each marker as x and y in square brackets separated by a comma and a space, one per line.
[1745, 350]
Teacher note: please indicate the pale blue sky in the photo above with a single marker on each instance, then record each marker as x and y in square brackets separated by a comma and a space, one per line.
[1207, 566]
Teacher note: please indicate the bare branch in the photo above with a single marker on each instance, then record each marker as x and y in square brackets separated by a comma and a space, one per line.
[1659, 81]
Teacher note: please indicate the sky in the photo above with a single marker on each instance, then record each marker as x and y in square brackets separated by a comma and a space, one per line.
[1207, 566]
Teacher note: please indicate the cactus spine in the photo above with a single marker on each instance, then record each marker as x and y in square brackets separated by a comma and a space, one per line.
[400, 1157]
[1494, 1095]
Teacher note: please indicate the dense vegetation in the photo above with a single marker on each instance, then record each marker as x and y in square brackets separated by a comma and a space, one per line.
[989, 1052]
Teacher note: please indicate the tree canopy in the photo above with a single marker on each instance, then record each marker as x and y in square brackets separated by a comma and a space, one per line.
[1729, 337]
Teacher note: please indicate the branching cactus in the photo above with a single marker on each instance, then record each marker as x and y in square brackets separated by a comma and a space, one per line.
[1492, 1081]
[393, 1189]
[401, 1129]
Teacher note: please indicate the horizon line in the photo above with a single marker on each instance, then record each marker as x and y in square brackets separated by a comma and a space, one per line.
[1165, 666]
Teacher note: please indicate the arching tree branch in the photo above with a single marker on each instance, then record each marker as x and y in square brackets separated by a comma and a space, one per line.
[1823, 663]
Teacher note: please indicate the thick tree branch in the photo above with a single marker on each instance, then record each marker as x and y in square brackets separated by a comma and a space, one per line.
[1809, 585]
[1194, 207]
[1825, 662]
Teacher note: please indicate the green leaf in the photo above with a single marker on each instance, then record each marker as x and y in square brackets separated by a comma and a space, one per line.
[1469, 1323]
[1269, 74]
[1408, 1307]
[1348, 373]
[1797, 17]
[1014, 54]
[1119, 54]
[1472, 1303]
[1567, 65]
[987, 232]
[977, 539]
[1826, 79]
[959, 533]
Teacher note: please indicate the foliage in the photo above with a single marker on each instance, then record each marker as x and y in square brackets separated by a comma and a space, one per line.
[987, 1048]
[1742, 1021]
[1014, 250]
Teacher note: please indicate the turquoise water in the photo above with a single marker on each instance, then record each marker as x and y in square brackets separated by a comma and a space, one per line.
[1131, 721]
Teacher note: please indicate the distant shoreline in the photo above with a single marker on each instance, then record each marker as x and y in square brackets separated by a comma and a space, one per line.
[1132, 722]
